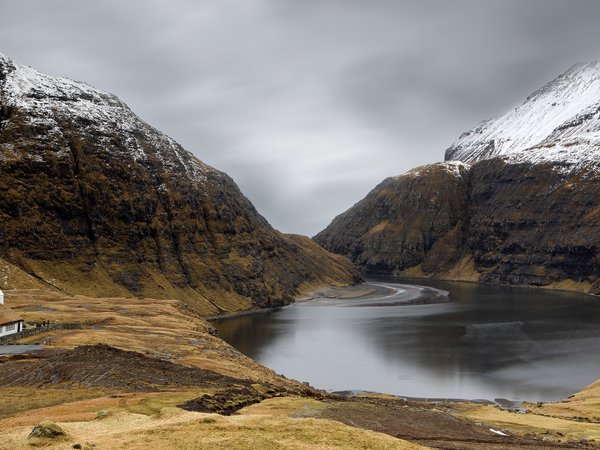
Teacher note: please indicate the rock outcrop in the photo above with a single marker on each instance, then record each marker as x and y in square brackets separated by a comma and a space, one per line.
[523, 206]
[95, 201]
[47, 429]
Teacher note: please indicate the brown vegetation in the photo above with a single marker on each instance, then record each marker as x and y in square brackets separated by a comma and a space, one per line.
[498, 222]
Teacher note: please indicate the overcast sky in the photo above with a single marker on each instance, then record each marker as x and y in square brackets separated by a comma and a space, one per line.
[307, 104]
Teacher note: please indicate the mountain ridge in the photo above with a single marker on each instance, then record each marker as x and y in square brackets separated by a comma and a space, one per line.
[95, 201]
[559, 122]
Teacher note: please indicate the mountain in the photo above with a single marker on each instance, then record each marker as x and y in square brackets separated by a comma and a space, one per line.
[560, 123]
[95, 201]
[515, 202]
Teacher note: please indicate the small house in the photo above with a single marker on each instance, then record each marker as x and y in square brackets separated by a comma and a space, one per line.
[10, 322]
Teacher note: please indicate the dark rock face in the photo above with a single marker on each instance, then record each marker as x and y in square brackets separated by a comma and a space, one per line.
[524, 223]
[93, 200]
[534, 224]
[417, 218]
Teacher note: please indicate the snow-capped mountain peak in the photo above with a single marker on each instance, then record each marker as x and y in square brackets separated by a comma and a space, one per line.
[48, 102]
[558, 123]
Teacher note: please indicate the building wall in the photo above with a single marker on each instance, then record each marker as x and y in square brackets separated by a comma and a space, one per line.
[11, 328]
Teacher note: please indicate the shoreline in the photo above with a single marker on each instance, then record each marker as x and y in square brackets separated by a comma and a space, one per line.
[502, 403]
[362, 291]
[389, 292]
[346, 292]
[245, 312]
[402, 279]
[369, 290]
[331, 292]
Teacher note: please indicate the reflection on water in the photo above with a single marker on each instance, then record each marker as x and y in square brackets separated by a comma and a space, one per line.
[486, 342]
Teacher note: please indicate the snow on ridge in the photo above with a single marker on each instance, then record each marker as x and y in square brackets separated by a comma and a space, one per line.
[456, 168]
[5, 59]
[47, 100]
[557, 123]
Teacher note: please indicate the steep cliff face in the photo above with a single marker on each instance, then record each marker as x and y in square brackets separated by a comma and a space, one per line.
[529, 205]
[93, 200]
[412, 219]
[534, 203]
[535, 224]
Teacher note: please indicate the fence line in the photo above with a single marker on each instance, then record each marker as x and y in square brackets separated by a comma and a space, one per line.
[40, 328]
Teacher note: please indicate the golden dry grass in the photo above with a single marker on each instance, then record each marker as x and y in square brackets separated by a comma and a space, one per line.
[463, 270]
[173, 428]
[156, 327]
[60, 405]
[520, 424]
[584, 405]
[15, 400]
[286, 406]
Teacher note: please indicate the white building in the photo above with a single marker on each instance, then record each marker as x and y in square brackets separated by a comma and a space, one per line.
[10, 323]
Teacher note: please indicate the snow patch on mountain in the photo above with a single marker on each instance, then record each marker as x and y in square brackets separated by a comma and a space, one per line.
[48, 103]
[458, 169]
[560, 123]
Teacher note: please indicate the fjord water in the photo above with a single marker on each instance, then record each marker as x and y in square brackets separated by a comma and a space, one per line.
[486, 342]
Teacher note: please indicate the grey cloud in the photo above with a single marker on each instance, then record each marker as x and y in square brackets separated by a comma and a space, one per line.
[307, 104]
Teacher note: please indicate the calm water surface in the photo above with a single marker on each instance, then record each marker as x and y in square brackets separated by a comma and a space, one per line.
[484, 343]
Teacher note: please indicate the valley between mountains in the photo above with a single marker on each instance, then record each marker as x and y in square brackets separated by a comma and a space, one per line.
[125, 243]
[515, 201]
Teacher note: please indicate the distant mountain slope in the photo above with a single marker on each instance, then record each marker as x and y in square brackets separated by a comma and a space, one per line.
[559, 123]
[93, 200]
[405, 221]
[524, 209]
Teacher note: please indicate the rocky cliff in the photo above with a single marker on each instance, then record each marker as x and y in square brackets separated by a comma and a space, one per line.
[413, 219]
[95, 201]
[516, 202]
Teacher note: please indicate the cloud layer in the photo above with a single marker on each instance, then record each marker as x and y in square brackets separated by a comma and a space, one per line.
[307, 104]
